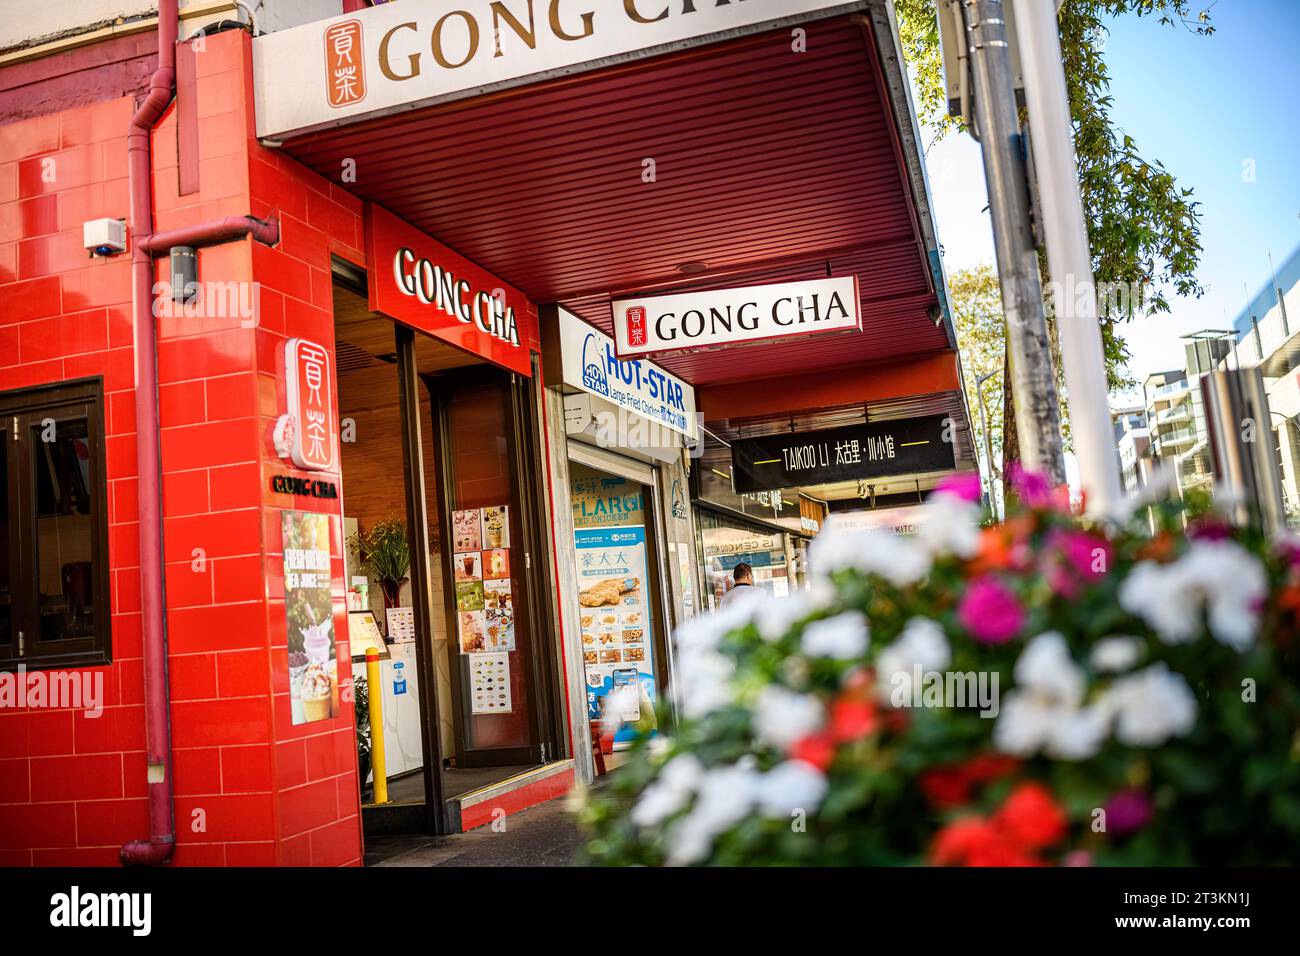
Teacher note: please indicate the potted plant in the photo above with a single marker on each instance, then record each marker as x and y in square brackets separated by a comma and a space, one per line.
[361, 706]
[385, 556]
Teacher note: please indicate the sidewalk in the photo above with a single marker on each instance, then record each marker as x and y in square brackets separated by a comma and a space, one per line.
[544, 835]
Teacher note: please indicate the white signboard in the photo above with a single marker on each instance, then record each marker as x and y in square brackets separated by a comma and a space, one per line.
[657, 324]
[642, 387]
[412, 53]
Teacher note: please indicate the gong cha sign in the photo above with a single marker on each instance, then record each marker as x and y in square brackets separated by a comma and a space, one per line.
[418, 281]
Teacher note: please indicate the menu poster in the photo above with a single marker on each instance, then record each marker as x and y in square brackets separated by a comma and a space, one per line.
[496, 564]
[481, 569]
[489, 676]
[499, 617]
[472, 631]
[615, 619]
[363, 634]
[401, 624]
[466, 529]
[309, 616]
[468, 566]
[496, 527]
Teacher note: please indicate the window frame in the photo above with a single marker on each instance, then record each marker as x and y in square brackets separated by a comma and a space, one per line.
[25, 406]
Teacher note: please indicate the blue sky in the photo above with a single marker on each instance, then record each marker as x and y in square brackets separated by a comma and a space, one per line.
[1223, 115]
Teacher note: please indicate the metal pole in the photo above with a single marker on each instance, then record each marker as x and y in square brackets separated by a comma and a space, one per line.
[988, 442]
[1033, 385]
[1069, 257]
[1242, 453]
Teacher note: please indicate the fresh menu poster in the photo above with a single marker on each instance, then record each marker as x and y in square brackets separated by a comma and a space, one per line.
[615, 615]
[309, 616]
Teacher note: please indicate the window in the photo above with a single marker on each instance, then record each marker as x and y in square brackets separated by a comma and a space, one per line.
[54, 594]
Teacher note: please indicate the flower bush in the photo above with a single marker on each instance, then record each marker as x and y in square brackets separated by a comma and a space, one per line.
[1033, 692]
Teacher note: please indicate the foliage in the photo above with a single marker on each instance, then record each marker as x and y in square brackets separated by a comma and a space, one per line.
[981, 339]
[1148, 703]
[385, 553]
[1143, 228]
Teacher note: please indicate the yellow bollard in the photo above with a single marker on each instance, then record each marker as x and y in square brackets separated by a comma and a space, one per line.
[374, 684]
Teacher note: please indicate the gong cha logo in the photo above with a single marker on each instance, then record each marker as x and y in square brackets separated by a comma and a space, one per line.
[345, 71]
[636, 330]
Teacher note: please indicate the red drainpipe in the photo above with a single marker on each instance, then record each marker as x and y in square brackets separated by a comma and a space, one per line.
[146, 244]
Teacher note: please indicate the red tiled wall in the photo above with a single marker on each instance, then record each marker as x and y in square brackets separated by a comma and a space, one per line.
[250, 788]
[72, 788]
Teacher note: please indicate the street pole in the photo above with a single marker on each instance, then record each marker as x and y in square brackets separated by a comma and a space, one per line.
[1033, 385]
[1069, 258]
[988, 443]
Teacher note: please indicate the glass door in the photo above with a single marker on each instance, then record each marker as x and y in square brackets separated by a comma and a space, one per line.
[494, 641]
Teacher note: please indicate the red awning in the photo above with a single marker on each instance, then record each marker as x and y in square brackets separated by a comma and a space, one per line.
[769, 165]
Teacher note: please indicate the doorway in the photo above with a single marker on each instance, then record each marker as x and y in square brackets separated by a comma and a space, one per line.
[434, 452]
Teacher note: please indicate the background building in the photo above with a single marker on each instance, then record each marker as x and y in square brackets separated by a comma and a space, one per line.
[1267, 335]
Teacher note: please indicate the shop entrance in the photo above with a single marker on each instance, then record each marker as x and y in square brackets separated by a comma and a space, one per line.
[440, 545]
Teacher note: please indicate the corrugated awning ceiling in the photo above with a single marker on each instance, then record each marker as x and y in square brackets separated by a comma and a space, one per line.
[768, 165]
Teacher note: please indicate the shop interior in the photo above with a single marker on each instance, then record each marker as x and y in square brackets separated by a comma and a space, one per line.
[446, 604]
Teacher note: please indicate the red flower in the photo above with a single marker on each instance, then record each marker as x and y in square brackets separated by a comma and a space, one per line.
[1032, 817]
[945, 787]
[852, 719]
[815, 749]
[985, 767]
[974, 841]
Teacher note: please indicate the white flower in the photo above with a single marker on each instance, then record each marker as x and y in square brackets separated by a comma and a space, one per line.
[843, 637]
[922, 644]
[1116, 653]
[674, 786]
[1046, 667]
[1044, 712]
[783, 717]
[1219, 577]
[725, 796]
[617, 703]
[790, 786]
[897, 558]
[950, 525]
[702, 681]
[708, 630]
[779, 615]
[1029, 722]
[1150, 706]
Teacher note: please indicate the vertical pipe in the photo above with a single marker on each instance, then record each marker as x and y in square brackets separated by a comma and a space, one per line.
[1068, 255]
[1038, 411]
[157, 849]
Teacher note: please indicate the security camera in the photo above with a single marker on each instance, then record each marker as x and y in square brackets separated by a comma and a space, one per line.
[104, 237]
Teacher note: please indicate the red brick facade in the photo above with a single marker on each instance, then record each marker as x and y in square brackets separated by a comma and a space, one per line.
[250, 788]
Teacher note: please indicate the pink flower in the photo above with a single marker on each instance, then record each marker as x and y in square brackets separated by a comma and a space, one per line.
[990, 611]
[1033, 488]
[1076, 558]
[965, 486]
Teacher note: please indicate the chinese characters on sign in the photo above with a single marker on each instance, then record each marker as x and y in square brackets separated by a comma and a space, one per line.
[869, 450]
[305, 433]
[345, 72]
